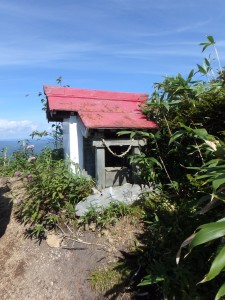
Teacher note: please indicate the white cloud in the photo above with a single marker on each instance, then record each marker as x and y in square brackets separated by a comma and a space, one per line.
[48, 53]
[77, 53]
[10, 129]
[192, 27]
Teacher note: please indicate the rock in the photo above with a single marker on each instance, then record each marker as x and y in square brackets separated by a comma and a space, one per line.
[92, 226]
[105, 232]
[94, 191]
[111, 240]
[53, 240]
[127, 193]
[86, 227]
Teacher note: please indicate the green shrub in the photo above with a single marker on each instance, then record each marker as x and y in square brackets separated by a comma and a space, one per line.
[167, 223]
[185, 159]
[52, 192]
[103, 216]
[17, 161]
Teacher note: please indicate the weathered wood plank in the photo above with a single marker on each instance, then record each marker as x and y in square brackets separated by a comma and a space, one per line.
[100, 167]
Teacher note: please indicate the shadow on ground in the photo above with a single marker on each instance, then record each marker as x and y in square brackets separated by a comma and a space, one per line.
[5, 209]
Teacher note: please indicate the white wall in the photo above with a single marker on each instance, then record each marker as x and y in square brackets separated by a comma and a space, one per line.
[66, 144]
[73, 140]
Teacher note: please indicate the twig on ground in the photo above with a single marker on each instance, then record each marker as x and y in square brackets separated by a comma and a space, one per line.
[61, 229]
[69, 228]
[76, 239]
[83, 242]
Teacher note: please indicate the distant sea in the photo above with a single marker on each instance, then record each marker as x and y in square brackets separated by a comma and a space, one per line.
[14, 145]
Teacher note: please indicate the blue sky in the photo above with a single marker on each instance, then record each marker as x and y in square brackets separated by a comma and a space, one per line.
[117, 45]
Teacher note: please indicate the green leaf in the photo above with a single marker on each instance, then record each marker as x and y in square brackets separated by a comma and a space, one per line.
[207, 62]
[173, 102]
[61, 196]
[208, 232]
[217, 266]
[155, 161]
[187, 128]
[213, 162]
[221, 292]
[150, 279]
[34, 215]
[214, 169]
[221, 220]
[211, 39]
[132, 134]
[124, 132]
[166, 105]
[204, 65]
[183, 245]
[199, 177]
[176, 135]
[201, 132]
[218, 181]
[147, 134]
[206, 45]
[201, 69]
[191, 74]
[180, 88]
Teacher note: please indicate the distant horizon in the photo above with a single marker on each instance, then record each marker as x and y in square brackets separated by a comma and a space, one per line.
[25, 138]
[14, 145]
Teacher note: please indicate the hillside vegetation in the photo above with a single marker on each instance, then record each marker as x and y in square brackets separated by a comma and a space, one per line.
[184, 160]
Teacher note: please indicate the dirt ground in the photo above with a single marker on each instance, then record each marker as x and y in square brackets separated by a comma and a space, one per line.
[33, 271]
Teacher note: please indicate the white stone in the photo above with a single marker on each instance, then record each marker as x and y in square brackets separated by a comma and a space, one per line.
[127, 193]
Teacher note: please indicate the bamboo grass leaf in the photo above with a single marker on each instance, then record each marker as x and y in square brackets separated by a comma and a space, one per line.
[176, 135]
[217, 266]
[211, 39]
[201, 132]
[205, 45]
[150, 279]
[221, 292]
[191, 74]
[218, 181]
[202, 69]
[123, 132]
[208, 232]
[183, 245]
[155, 161]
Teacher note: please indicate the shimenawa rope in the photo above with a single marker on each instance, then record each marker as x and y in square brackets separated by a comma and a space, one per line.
[118, 155]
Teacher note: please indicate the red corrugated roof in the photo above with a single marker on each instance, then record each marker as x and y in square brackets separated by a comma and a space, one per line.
[99, 109]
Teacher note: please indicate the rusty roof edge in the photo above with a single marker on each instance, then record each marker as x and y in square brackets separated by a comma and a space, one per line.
[103, 99]
[48, 90]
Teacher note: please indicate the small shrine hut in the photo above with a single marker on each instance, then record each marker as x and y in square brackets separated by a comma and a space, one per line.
[91, 120]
